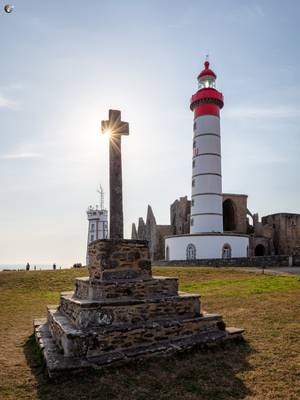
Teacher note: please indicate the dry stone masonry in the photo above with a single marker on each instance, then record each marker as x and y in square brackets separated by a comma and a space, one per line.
[121, 312]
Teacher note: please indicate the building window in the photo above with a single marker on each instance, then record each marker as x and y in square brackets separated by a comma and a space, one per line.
[194, 163]
[226, 251]
[192, 222]
[193, 202]
[193, 182]
[92, 227]
[191, 252]
[194, 144]
[92, 238]
[167, 253]
[195, 125]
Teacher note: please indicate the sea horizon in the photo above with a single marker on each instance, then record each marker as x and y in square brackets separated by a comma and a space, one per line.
[33, 267]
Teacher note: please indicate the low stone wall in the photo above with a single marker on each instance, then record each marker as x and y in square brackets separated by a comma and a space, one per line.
[260, 262]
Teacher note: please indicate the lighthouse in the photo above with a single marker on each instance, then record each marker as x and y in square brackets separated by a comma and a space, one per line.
[206, 238]
[206, 204]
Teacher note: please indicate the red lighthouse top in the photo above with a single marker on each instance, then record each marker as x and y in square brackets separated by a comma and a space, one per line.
[207, 100]
[206, 71]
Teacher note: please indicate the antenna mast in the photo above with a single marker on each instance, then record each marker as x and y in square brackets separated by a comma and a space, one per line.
[101, 192]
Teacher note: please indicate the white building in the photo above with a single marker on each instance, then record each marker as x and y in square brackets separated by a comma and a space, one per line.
[98, 225]
[206, 238]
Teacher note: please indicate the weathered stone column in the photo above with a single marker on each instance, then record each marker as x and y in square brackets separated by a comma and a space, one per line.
[115, 128]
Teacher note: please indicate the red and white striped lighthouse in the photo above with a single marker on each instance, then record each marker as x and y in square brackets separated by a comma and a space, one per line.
[206, 238]
[206, 206]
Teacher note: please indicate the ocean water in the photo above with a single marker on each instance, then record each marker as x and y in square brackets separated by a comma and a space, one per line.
[39, 267]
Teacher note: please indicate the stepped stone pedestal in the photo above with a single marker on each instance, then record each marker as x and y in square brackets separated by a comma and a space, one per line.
[120, 312]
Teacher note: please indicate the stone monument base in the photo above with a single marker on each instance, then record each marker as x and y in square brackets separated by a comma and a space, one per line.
[121, 313]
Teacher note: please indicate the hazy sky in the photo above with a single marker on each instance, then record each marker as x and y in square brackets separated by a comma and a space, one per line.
[65, 63]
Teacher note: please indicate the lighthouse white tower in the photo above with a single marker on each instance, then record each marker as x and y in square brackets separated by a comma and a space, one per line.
[206, 238]
[206, 206]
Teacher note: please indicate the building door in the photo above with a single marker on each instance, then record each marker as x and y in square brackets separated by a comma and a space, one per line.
[226, 251]
[190, 252]
[259, 250]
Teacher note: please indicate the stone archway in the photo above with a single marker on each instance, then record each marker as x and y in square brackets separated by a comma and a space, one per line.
[229, 215]
[259, 250]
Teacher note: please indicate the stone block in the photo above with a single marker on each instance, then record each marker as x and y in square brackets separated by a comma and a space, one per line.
[119, 259]
[85, 313]
[96, 341]
[137, 288]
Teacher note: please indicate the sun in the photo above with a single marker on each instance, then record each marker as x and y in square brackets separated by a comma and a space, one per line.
[107, 132]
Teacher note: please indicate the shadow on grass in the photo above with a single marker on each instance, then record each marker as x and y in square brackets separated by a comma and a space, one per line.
[211, 374]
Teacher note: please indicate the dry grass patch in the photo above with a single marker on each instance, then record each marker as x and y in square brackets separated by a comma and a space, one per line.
[265, 366]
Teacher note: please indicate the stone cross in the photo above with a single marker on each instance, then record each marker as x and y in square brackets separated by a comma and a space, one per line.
[115, 128]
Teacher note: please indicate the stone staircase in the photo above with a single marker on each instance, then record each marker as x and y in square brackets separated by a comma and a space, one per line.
[120, 312]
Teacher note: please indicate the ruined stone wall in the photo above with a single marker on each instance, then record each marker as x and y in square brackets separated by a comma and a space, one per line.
[266, 242]
[240, 210]
[285, 232]
[162, 232]
[180, 212]
[154, 234]
[278, 233]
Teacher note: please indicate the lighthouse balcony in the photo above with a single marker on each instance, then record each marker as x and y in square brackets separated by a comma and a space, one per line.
[207, 96]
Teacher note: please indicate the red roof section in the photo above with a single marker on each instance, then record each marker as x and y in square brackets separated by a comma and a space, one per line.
[207, 71]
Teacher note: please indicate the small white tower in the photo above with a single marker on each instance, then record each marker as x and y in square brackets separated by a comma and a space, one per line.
[98, 222]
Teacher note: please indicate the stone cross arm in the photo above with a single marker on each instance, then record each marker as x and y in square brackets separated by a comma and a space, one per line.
[114, 124]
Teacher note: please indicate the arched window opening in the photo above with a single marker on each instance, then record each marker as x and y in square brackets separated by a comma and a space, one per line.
[259, 250]
[229, 215]
[226, 251]
[191, 252]
[167, 253]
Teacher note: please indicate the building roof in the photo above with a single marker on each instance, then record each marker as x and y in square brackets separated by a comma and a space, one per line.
[206, 71]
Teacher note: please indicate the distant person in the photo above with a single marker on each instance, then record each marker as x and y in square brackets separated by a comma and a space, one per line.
[34, 267]
[27, 267]
[54, 267]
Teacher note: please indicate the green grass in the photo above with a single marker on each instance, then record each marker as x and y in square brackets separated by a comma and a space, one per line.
[265, 366]
[243, 286]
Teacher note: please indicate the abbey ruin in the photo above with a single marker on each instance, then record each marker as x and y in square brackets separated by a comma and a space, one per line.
[274, 234]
